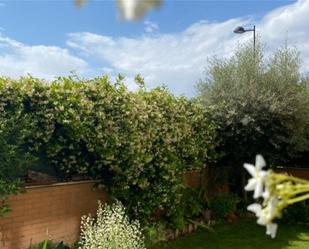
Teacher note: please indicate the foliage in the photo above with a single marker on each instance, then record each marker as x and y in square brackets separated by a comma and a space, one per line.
[223, 205]
[110, 229]
[297, 213]
[14, 160]
[191, 206]
[260, 104]
[137, 143]
[154, 233]
[48, 244]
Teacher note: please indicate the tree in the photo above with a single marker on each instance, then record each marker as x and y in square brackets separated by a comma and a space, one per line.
[261, 104]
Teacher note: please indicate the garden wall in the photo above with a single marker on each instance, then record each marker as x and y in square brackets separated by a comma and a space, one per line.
[297, 172]
[214, 180]
[48, 212]
[54, 211]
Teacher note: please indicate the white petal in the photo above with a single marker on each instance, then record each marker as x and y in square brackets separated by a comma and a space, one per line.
[266, 194]
[255, 208]
[262, 219]
[271, 229]
[250, 168]
[134, 9]
[251, 184]
[273, 203]
[259, 162]
[127, 8]
[258, 191]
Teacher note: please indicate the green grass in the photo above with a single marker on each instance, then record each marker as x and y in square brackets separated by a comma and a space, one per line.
[243, 235]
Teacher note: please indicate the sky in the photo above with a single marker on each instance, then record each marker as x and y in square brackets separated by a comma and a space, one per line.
[168, 46]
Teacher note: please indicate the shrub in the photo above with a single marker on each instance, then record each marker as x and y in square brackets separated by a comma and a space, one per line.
[155, 233]
[223, 205]
[48, 244]
[14, 160]
[137, 143]
[8, 183]
[111, 229]
[297, 213]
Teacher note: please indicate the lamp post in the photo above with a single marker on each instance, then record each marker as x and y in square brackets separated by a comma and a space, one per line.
[241, 30]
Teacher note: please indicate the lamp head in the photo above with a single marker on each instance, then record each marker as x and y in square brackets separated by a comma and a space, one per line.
[239, 30]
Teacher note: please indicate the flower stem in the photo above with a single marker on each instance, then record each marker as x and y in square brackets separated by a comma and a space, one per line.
[291, 178]
[299, 191]
[298, 199]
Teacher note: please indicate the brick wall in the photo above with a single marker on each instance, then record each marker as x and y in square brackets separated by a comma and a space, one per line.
[48, 212]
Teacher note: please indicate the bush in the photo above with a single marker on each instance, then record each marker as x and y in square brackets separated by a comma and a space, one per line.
[49, 245]
[223, 205]
[14, 160]
[111, 229]
[138, 144]
[260, 105]
[296, 213]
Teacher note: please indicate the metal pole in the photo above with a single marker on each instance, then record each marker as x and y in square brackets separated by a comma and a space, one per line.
[254, 40]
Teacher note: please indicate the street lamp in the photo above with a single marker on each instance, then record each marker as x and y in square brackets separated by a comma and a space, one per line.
[241, 30]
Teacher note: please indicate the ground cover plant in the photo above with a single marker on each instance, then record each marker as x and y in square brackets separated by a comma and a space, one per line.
[243, 234]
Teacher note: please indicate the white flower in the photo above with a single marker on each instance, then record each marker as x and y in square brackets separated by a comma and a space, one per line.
[256, 183]
[266, 193]
[255, 208]
[266, 215]
[134, 9]
[110, 229]
[131, 9]
[271, 229]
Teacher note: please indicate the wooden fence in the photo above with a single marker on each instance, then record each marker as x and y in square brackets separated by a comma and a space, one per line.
[297, 172]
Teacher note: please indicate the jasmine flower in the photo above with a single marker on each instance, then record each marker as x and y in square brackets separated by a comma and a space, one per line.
[256, 183]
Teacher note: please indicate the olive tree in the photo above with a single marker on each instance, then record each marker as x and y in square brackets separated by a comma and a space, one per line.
[260, 103]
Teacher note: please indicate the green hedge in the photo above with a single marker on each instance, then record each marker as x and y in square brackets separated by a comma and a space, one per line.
[138, 143]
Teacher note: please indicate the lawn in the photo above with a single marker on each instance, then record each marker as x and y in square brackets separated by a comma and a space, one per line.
[243, 235]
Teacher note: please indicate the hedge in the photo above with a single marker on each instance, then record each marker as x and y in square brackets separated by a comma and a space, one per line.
[137, 143]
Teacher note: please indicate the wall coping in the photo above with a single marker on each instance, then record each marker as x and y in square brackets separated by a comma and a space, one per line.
[61, 184]
[292, 168]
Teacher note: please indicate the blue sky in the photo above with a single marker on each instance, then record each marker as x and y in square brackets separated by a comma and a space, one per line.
[48, 22]
[170, 45]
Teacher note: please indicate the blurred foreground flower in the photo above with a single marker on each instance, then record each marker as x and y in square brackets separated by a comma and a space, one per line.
[131, 9]
[278, 191]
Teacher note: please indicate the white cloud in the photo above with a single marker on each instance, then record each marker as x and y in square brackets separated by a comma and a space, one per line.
[177, 60]
[151, 27]
[288, 24]
[46, 62]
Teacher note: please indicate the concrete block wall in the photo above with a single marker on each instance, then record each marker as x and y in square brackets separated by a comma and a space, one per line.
[48, 212]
